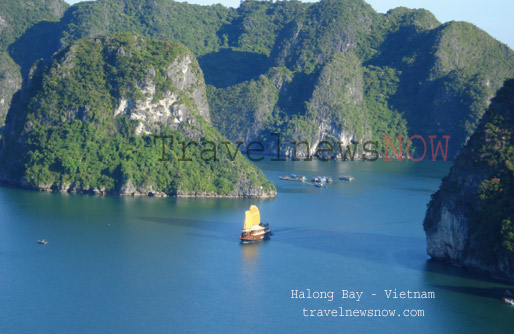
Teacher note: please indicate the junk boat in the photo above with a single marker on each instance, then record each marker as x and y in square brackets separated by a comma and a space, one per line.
[42, 242]
[347, 178]
[253, 230]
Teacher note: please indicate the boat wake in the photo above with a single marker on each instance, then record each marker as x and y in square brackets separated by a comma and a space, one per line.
[338, 228]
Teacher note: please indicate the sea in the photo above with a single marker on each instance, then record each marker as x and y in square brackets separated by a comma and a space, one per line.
[337, 259]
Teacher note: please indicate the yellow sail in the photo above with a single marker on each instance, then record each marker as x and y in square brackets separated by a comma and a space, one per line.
[252, 217]
[256, 215]
[248, 220]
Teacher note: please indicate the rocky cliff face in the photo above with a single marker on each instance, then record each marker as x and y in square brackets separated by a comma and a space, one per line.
[10, 82]
[151, 111]
[326, 106]
[16, 17]
[337, 108]
[351, 75]
[455, 90]
[266, 62]
[469, 220]
[87, 120]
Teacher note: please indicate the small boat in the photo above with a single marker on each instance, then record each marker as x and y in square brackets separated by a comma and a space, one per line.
[319, 184]
[322, 179]
[253, 230]
[508, 300]
[42, 242]
[347, 178]
[294, 177]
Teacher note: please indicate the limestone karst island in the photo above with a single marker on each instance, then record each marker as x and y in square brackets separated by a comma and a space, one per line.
[256, 166]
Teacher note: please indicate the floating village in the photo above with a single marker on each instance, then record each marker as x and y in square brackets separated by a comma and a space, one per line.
[317, 181]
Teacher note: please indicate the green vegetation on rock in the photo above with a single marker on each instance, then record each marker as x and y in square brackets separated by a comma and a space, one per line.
[76, 136]
[332, 70]
[418, 76]
[10, 82]
[469, 220]
[18, 16]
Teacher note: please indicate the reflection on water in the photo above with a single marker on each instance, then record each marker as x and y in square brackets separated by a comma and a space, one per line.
[251, 254]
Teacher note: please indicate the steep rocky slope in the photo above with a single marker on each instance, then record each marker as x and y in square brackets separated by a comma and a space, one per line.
[87, 120]
[10, 83]
[266, 65]
[470, 219]
[415, 76]
[16, 17]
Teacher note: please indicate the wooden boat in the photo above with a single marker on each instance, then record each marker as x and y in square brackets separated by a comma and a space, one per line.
[42, 242]
[253, 230]
[347, 178]
[508, 300]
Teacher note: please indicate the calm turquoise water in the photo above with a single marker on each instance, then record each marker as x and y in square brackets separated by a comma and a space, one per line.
[127, 265]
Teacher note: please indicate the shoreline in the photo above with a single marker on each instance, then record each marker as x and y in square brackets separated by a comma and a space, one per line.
[157, 194]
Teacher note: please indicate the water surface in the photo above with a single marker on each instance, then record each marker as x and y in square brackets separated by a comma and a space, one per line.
[176, 265]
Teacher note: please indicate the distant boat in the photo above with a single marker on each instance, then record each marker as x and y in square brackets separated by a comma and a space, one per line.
[253, 230]
[294, 177]
[42, 242]
[319, 184]
[347, 178]
[322, 179]
[508, 300]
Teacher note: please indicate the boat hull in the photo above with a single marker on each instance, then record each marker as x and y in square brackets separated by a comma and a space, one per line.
[254, 235]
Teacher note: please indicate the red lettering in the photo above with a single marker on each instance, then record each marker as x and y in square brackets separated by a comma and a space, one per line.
[398, 155]
[444, 152]
[424, 150]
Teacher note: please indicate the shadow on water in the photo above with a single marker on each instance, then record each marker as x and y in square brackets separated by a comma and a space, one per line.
[280, 231]
[203, 229]
[446, 268]
[346, 241]
[285, 229]
[308, 189]
[182, 222]
[417, 190]
[392, 250]
[201, 235]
